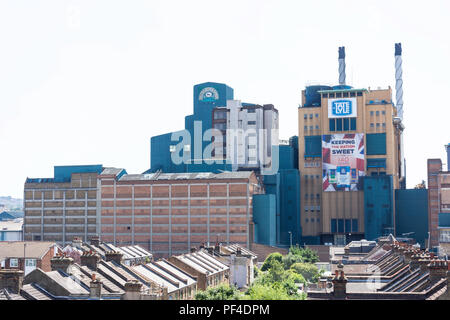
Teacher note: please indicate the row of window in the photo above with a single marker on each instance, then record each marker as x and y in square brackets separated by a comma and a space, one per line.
[343, 124]
[377, 112]
[305, 116]
[311, 128]
[342, 94]
[372, 125]
[312, 176]
[312, 220]
[344, 225]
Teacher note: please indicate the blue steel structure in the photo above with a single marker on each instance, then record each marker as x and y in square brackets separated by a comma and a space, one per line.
[207, 96]
[378, 206]
[285, 186]
[264, 217]
[411, 214]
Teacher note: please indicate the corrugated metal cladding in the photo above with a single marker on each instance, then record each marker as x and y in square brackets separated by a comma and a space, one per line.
[313, 146]
[376, 163]
[290, 207]
[264, 217]
[376, 143]
[378, 207]
[411, 214]
[64, 173]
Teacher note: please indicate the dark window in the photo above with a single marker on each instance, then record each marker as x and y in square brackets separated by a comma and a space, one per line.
[348, 226]
[352, 94]
[353, 124]
[311, 116]
[333, 225]
[332, 124]
[359, 94]
[252, 122]
[339, 124]
[339, 95]
[251, 110]
[354, 225]
[325, 95]
[371, 113]
[345, 94]
[313, 146]
[376, 143]
[341, 225]
[346, 124]
[331, 95]
[306, 220]
[378, 113]
[305, 116]
[312, 219]
[317, 115]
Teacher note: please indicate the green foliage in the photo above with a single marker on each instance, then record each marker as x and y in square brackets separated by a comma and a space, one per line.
[308, 270]
[221, 292]
[307, 255]
[260, 291]
[290, 259]
[271, 258]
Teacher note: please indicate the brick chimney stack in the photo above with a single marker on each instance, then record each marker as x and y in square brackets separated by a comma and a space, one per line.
[95, 241]
[95, 287]
[62, 263]
[11, 279]
[90, 259]
[438, 270]
[340, 283]
[77, 242]
[132, 290]
[114, 256]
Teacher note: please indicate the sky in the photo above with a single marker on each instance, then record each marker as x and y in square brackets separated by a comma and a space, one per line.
[90, 82]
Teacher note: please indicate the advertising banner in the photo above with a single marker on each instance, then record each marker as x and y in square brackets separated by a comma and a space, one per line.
[342, 161]
[342, 108]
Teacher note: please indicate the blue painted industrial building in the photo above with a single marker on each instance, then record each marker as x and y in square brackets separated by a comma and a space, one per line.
[264, 218]
[207, 96]
[411, 214]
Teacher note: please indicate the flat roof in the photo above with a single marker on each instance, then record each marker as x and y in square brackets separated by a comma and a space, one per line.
[341, 90]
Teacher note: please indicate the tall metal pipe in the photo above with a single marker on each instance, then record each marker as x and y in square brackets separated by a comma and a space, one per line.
[399, 79]
[342, 65]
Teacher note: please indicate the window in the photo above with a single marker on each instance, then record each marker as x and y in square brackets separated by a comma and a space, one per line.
[251, 110]
[346, 124]
[311, 116]
[348, 226]
[341, 225]
[305, 116]
[339, 124]
[14, 263]
[345, 94]
[354, 225]
[371, 113]
[352, 94]
[353, 124]
[339, 95]
[30, 262]
[371, 125]
[317, 115]
[331, 95]
[312, 219]
[359, 94]
[384, 125]
[306, 220]
[383, 112]
[252, 122]
[311, 127]
[378, 113]
[306, 196]
[317, 127]
[378, 125]
[306, 128]
[325, 95]
[332, 125]
[333, 225]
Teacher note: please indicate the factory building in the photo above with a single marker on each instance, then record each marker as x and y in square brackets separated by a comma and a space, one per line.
[247, 136]
[169, 213]
[63, 207]
[350, 160]
[243, 138]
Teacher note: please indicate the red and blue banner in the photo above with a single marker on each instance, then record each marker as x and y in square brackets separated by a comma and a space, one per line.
[342, 161]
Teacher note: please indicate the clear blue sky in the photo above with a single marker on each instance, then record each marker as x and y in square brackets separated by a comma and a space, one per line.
[89, 82]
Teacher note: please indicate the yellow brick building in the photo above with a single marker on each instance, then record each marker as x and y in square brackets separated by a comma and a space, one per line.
[332, 216]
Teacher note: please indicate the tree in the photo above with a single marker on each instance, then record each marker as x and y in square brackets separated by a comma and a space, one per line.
[271, 258]
[309, 271]
[308, 255]
[221, 292]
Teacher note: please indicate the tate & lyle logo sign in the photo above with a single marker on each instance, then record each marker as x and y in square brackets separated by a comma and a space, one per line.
[342, 108]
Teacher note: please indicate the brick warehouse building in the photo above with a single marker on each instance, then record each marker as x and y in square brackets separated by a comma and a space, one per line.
[170, 213]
